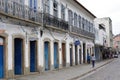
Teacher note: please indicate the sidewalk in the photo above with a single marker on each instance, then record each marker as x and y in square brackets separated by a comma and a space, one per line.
[67, 73]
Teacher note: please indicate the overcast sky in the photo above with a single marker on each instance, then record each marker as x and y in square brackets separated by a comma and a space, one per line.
[105, 8]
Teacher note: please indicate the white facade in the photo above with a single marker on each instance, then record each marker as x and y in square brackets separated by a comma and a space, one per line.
[56, 44]
[108, 26]
[100, 34]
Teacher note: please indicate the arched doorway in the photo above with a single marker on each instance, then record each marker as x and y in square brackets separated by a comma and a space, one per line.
[2, 65]
[33, 56]
[56, 56]
[47, 55]
[18, 56]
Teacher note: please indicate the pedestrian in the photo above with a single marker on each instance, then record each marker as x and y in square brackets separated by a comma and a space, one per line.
[93, 60]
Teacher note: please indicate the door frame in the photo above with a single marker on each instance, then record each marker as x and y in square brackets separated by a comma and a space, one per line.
[57, 54]
[37, 66]
[23, 53]
[64, 54]
[47, 40]
[5, 38]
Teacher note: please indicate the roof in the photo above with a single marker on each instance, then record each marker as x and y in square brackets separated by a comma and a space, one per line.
[84, 8]
[116, 36]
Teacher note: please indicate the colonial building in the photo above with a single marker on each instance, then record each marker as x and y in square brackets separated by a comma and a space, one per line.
[42, 35]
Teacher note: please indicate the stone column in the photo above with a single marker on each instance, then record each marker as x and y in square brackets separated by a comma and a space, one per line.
[60, 54]
[51, 56]
[81, 52]
[73, 54]
[67, 55]
[10, 58]
[78, 55]
[85, 52]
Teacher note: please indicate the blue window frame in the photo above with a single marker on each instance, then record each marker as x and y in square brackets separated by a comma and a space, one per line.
[63, 12]
[75, 19]
[70, 18]
[33, 4]
[55, 8]
[79, 21]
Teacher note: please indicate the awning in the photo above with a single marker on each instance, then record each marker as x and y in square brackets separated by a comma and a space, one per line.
[77, 42]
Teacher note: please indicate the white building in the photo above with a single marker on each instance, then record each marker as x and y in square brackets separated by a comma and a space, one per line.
[42, 35]
[103, 37]
[107, 22]
[100, 39]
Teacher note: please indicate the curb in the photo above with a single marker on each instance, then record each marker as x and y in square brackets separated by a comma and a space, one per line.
[74, 78]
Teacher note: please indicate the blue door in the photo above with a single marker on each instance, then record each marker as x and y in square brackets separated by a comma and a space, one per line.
[46, 54]
[33, 56]
[1, 62]
[56, 55]
[76, 55]
[18, 56]
[79, 56]
[71, 56]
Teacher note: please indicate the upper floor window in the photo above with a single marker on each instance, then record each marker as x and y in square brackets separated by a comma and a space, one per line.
[96, 35]
[46, 6]
[83, 25]
[79, 18]
[90, 27]
[63, 12]
[33, 4]
[75, 19]
[21, 2]
[87, 25]
[70, 18]
[55, 8]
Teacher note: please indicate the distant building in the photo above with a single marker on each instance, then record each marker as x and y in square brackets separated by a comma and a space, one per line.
[116, 42]
[103, 37]
[107, 22]
[100, 40]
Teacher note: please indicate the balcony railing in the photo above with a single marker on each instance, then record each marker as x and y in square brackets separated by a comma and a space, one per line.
[82, 32]
[15, 9]
[12, 8]
[55, 22]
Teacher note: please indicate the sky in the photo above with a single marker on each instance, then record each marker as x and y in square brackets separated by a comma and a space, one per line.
[105, 8]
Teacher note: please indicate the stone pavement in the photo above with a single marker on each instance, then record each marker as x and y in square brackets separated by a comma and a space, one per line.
[70, 73]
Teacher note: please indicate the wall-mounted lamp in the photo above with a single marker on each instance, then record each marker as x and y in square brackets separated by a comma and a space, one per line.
[41, 33]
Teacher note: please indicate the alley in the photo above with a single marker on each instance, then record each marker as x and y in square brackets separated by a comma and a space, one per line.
[109, 72]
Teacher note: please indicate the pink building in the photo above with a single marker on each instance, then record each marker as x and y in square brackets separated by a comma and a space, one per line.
[116, 42]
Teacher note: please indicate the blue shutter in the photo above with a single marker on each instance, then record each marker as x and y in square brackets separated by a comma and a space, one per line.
[35, 5]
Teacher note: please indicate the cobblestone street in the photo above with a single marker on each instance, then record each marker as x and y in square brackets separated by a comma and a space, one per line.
[109, 72]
